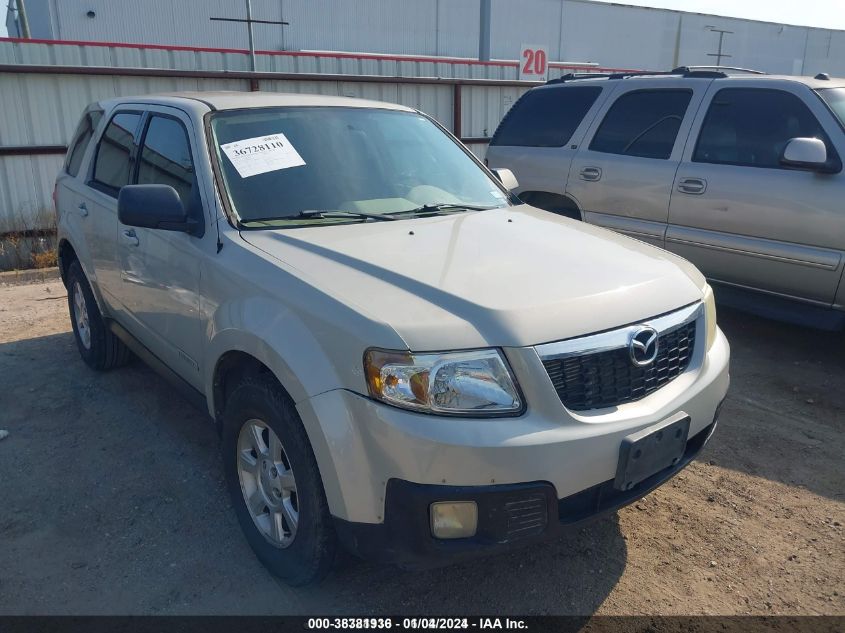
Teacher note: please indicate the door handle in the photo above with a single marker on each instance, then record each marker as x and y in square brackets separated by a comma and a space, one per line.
[83, 210]
[590, 174]
[695, 186]
[128, 237]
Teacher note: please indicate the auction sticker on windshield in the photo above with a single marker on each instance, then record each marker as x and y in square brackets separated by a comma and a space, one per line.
[258, 155]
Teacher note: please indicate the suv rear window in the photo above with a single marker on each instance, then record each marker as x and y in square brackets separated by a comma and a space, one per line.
[643, 123]
[80, 141]
[546, 117]
[112, 167]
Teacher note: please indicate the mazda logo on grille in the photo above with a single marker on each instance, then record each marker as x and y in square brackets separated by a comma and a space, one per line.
[643, 346]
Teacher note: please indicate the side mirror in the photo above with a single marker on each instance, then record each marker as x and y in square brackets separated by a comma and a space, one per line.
[507, 178]
[153, 207]
[805, 153]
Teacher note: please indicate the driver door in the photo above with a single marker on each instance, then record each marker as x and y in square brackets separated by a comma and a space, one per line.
[743, 217]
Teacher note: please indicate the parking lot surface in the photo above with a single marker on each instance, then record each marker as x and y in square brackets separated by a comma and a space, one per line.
[112, 501]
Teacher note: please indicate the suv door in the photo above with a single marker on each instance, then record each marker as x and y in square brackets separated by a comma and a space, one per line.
[159, 269]
[622, 176]
[744, 218]
[110, 170]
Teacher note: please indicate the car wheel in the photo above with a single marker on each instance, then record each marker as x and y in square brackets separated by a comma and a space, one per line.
[275, 484]
[98, 346]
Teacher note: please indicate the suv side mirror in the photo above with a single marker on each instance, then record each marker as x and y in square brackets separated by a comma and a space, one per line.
[153, 207]
[507, 178]
[805, 153]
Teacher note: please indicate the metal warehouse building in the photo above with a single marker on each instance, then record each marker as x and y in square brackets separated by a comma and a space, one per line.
[574, 30]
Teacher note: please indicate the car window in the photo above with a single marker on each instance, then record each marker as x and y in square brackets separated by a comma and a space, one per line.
[643, 123]
[751, 127]
[113, 167]
[545, 118]
[279, 162]
[835, 99]
[80, 141]
[165, 157]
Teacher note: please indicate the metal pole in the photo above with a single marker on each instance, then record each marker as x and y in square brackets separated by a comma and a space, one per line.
[719, 55]
[484, 31]
[23, 20]
[251, 38]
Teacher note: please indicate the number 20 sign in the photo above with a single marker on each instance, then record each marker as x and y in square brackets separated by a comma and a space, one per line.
[533, 62]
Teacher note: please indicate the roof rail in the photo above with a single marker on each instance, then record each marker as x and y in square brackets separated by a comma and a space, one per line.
[619, 75]
[735, 69]
[698, 72]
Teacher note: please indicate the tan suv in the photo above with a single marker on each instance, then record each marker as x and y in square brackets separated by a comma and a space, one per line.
[399, 355]
[739, 172]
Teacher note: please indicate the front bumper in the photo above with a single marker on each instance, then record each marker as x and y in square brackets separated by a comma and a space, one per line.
[509, 515]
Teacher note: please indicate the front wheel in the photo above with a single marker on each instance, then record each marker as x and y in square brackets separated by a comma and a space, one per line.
[275, 484]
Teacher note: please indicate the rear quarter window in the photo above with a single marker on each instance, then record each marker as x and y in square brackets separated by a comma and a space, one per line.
[81, 139]
[546, 117]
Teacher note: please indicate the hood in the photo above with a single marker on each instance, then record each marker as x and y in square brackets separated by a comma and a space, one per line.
[501, 278]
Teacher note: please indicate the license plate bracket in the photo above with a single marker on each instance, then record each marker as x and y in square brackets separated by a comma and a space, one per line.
[650, 450]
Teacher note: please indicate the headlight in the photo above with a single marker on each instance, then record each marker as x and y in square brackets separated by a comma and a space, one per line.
[710, 316]
[455, 383]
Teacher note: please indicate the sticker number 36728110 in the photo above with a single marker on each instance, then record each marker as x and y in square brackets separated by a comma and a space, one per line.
[258, 155]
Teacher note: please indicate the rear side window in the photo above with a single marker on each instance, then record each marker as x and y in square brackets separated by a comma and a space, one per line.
[644, 123]
[113, 166]
[546, 117]
[80, 141]
[165, 157]
[751, 127]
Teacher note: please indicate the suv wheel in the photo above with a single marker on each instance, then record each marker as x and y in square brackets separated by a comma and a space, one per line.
[275, 484]
[98, 346]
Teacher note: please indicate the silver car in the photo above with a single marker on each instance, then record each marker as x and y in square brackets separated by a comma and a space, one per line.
[739, 172]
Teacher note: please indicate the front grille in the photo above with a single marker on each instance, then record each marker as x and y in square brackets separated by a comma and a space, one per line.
[609, 378]
[526, 517]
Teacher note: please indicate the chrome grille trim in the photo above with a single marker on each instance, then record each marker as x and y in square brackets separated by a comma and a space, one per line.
[618, 338]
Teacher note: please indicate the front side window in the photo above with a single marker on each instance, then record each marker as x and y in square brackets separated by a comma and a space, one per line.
[751, 127]
[284, 163]
[643, 123]
[113, 166]
[546, 117]
[165, 158]
[80, 141]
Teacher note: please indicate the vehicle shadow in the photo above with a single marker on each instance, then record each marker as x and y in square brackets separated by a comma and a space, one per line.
[784, 417]
[572, 575]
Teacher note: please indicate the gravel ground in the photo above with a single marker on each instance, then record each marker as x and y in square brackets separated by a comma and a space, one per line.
[112, 501]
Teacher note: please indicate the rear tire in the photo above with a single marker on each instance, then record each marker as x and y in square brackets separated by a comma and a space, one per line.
[98, 346]
[274, 482]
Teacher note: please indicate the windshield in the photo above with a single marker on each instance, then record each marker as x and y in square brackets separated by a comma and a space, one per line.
[835, 98]
[316, 165]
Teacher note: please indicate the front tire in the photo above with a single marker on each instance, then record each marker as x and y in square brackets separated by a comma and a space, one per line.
[274, 482]
[98, 346]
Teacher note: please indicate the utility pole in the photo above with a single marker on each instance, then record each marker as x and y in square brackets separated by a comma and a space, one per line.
[249, 22]
[720, 54]
[24, 22]
[484, 31]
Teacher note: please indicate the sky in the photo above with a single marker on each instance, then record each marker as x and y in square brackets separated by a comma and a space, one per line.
[828, 14]
[822, 13]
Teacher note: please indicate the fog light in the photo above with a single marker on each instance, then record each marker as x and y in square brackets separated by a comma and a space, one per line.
[454, 519]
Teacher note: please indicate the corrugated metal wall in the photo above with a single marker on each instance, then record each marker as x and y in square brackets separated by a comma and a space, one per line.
[41, 109]
[578, 30]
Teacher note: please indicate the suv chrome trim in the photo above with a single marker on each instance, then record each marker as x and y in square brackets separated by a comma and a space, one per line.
[619, 338]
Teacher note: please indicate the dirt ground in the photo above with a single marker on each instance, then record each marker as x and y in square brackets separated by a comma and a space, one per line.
[112, 501]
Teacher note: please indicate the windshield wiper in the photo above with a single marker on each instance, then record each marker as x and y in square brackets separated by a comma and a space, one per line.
[441, 209]
[328, 215]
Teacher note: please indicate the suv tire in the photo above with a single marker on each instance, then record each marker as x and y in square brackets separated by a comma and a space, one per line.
[98, 346]
[274, 482]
